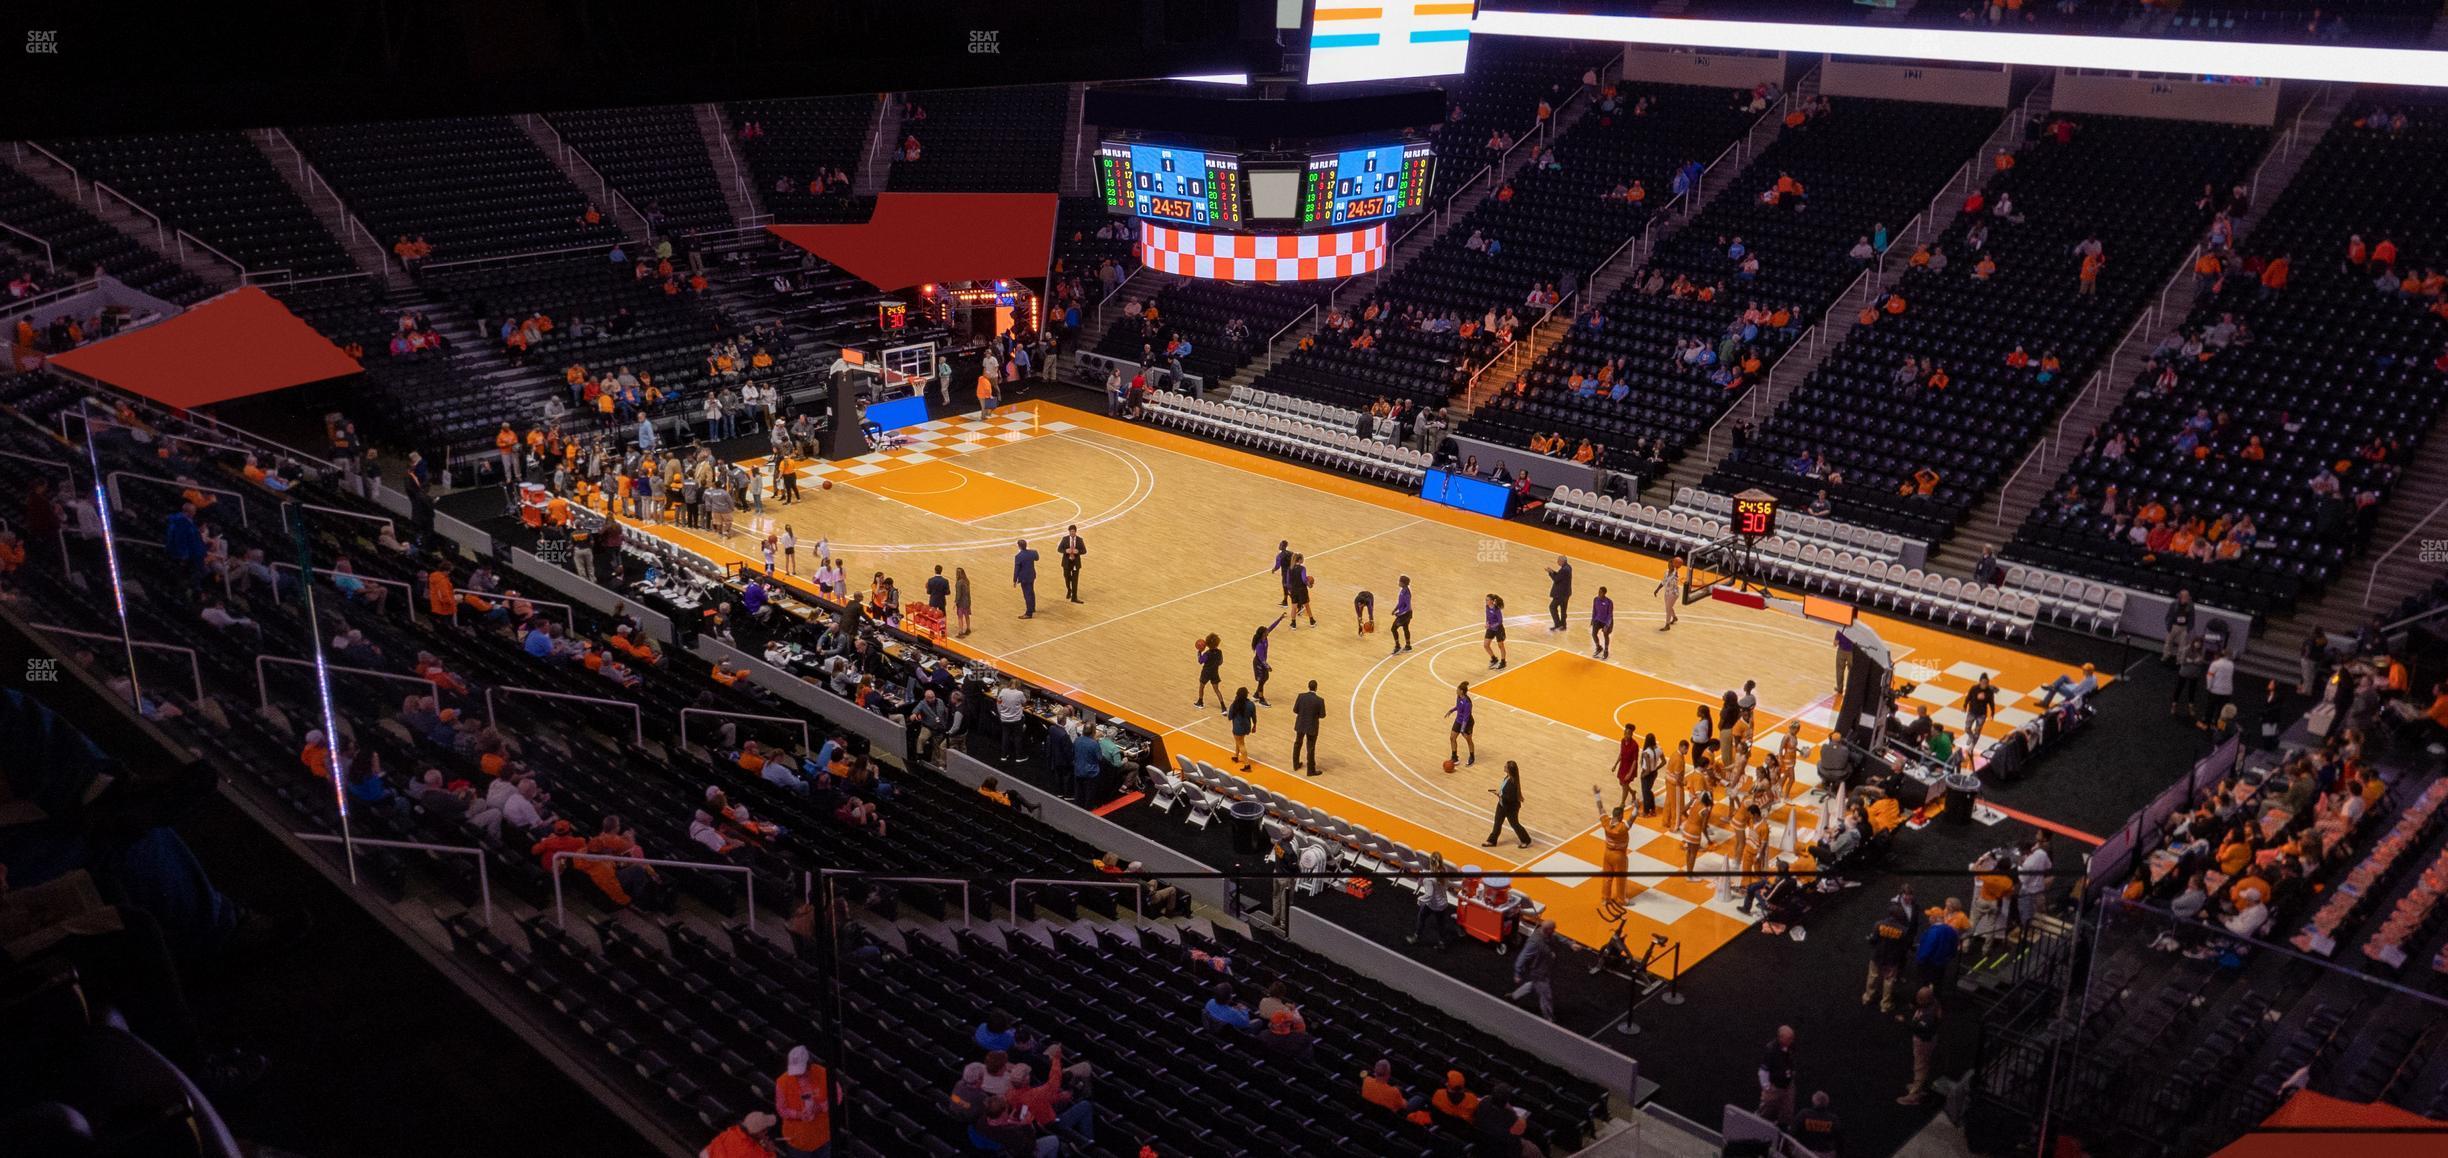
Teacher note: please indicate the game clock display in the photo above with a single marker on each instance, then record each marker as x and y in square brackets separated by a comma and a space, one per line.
[1178, 185]
[1755, 514]
[1357, 185]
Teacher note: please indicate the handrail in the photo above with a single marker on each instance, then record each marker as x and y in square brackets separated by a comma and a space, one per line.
[195, 669]
[806, 737]
[1464, 187]
[561, 909]
[2377, 564]
[1609, 259]
[50, 262]
[638, 717]
[2411, 620]
[1813, 332]
[484, 877]
[1099, 313]
[809, 885]
[263, 687]
[183, 237]
[569, 614]
[48, 297]
[1505, 350]
[265, 276]
[75, 181]
[1138, 891]
[739, 172]
[2007, 488]
[595, 247]
[346, 514]
[160, 238]
[407, 593]
[263, 445]
[111, 480]
[1288, 327]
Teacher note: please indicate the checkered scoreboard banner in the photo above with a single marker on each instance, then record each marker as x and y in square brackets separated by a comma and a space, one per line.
[1263, 257]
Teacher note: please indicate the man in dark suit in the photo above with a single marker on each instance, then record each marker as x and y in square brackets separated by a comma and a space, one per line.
[938, 590]
[1508, 808]
[1308, 710]
[1071, 550]
[1559, 591]
[1024, 577]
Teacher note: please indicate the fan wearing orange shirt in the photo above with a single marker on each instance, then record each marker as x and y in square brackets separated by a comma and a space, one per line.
[1925, 481]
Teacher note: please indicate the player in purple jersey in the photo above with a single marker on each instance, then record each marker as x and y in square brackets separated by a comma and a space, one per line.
[1460, 737]
[1494, 641]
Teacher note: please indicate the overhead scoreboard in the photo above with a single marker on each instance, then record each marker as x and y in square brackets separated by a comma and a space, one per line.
[1184, 186]
[1355, 185]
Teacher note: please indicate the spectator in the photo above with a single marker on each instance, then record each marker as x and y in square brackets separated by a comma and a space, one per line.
[1223, 1010]
[803, 1100]
[1776, 1078]
[1377, 1087]
[751, 1138]
[1534, 968]
[1925, 1017]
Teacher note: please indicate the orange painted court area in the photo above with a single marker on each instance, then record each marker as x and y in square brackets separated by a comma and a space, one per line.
[952, 491]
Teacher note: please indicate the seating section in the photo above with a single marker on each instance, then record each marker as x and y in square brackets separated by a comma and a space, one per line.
[1861, 163]
[81, 243]
[799, 139]
[1508, 78]
[1861, 567]
[692, 1027]
[988, 140]
[2221, 449]
[1205, 313]
[219, 187]
[1968, 407]
[472, 187]
[1551, 226]
[655, 157]
[1314, 436]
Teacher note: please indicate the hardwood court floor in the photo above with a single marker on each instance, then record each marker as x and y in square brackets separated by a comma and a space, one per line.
[1181, 537]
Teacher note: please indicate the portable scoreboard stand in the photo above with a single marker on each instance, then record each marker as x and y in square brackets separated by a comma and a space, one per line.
[1732, 562]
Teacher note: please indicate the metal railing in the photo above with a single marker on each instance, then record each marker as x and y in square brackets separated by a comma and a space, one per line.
[569, 614]
[739, 171]
[808, 886]
[525, 255]
[48, 298]
[1505, 351]
[263, 686]
[184, 239]
[161, 237]
[484, 877]
[560, 903]
[50, 261]
[195, 668]
[260, 444]
[636, 715]
[406, 592]
[2378, 563]
[1138, 893]
[385, 520]
[75, 181]
[1276, 338]
[806, 737]
[113, 478]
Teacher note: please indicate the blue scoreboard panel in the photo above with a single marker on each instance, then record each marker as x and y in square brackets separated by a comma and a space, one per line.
[1165, 183]
[1361, 185]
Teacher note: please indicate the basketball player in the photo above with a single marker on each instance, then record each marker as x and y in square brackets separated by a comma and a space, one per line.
[1259, 667]
[1283, 563]
[1602, 624]
[1461, 734]
[1364, 611]
[1614, 890]
[1402, 616]
[1671, 588]
[790, 552]
[1494, 641]
[1211, 669]
[1296, 590]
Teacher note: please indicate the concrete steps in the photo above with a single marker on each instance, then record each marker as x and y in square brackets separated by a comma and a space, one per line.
[740, 195]
[883, 144]
[138, 225]
[372, 254]
[585, 176]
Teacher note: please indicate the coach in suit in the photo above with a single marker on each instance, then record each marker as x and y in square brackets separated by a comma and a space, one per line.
[1308, 710]
[1024, 577]
[1559, 591]
[1071, 550]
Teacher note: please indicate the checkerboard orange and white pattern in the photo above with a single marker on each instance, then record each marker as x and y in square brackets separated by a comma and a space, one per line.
[1262, 257]
[932, 441]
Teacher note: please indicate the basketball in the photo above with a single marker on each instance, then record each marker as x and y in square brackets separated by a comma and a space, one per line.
[828, 484]
[1368, 628]
[1449, 767]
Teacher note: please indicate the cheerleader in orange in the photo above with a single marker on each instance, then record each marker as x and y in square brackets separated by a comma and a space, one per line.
[1613, 888]
[1695, 830]
[1676, 766]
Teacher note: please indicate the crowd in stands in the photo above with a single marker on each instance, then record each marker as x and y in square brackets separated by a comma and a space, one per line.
[2264, 430]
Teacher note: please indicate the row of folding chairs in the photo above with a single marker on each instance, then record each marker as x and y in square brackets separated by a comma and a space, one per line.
[2083, 604]
[1808, 528]
[1298, 438]
[1857, 578]
[1323, 413]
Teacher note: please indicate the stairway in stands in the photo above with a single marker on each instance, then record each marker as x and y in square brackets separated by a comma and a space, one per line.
[2393, 566]
[583, 174]
[739, 193]
[371, 253]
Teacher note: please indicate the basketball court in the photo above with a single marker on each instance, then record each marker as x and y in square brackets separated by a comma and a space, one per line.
[1181, 540]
